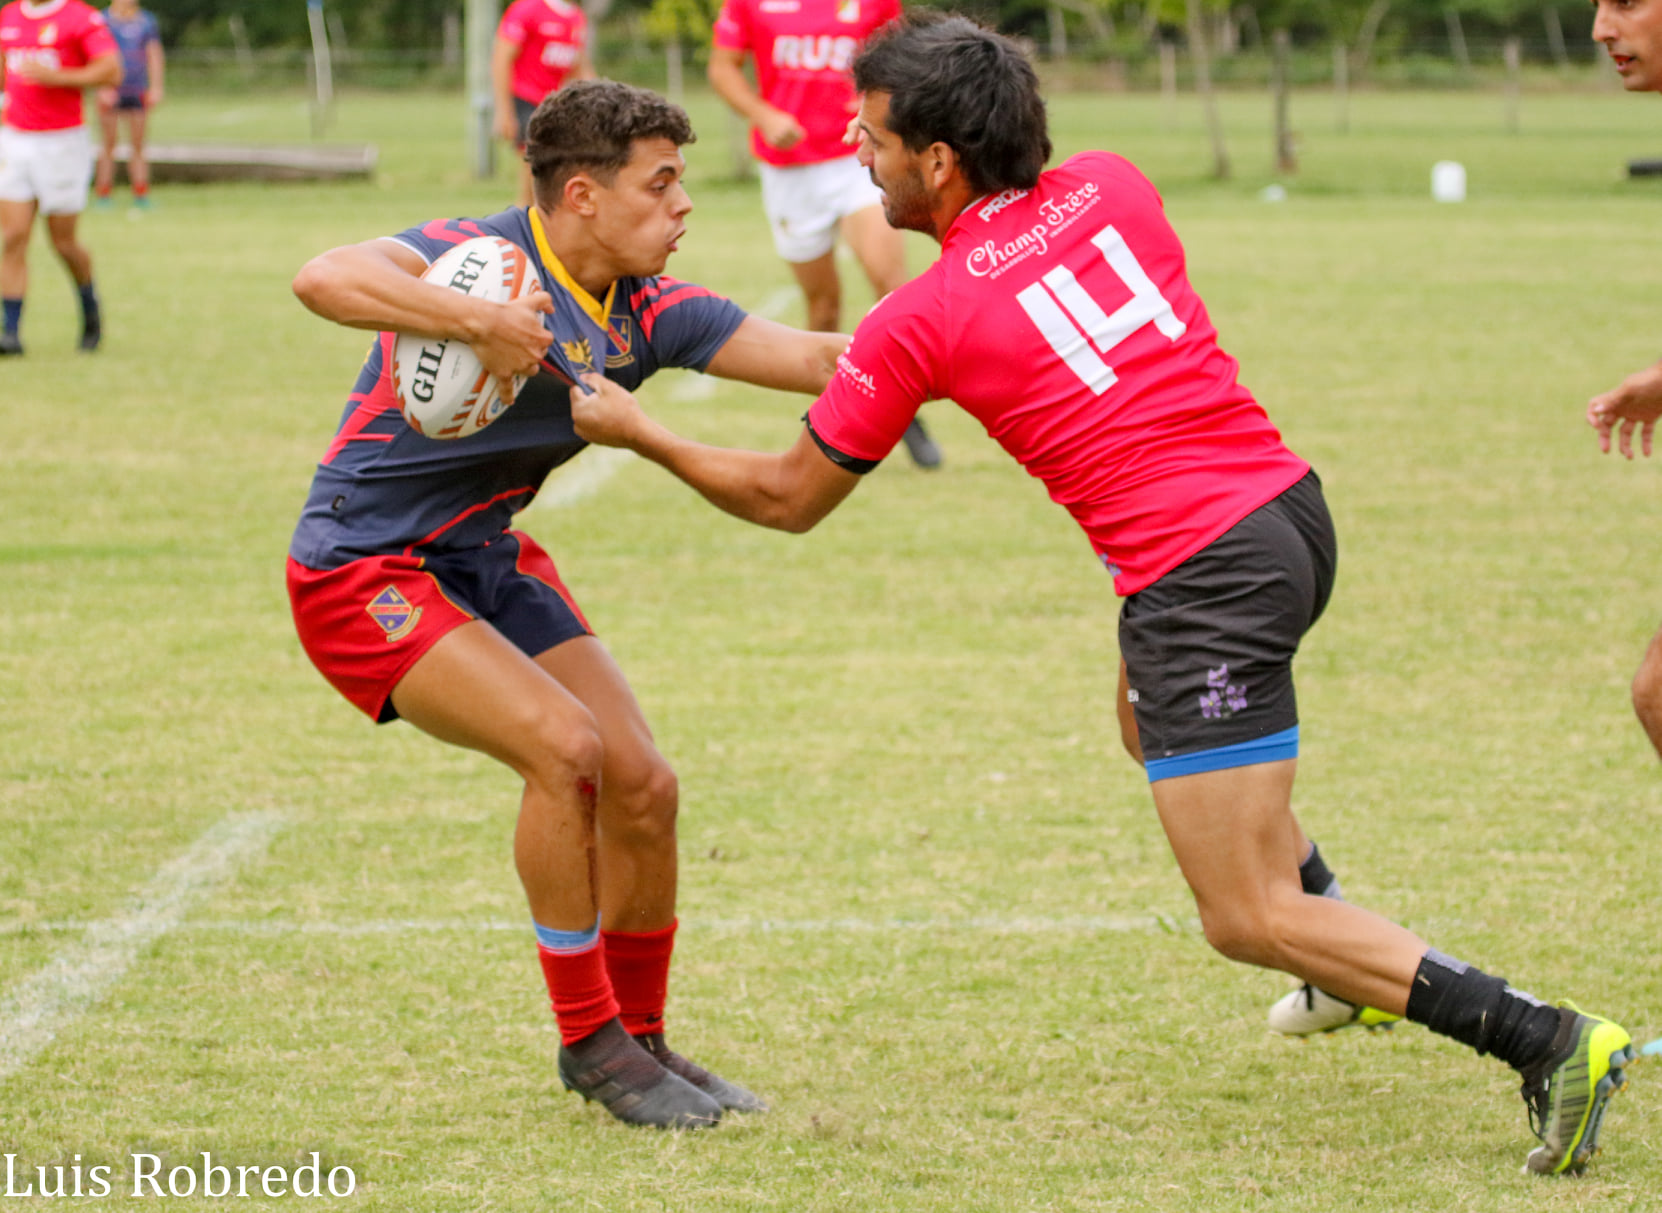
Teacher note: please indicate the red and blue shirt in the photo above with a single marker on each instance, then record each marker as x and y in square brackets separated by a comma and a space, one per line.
[134, 37]
[1062, 319]
[382, 488]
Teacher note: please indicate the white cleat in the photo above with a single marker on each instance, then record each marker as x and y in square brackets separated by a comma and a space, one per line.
[1308, 1010]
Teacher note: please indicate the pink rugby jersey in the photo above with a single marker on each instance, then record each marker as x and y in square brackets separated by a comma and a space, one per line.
[550, 35]
[60, 33]
[804, 52]
[1062, 318]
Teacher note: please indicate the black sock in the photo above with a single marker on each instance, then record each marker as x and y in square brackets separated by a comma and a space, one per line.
[1466, 1004]
[90, 319]
[1317, 878]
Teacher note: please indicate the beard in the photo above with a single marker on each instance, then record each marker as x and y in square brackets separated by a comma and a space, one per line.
[906, 203]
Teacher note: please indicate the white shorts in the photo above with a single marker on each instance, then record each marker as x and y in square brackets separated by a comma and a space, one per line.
[53, 168]
[804, 204]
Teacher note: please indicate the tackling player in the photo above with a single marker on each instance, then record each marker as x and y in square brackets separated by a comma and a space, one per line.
[1060, 315]
[49, 52]
[540, 46]
[1631, 31]
[143, 64]
[813, 187]
[416, 598]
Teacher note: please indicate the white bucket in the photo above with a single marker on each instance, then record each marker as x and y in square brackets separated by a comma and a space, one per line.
[1448, 181]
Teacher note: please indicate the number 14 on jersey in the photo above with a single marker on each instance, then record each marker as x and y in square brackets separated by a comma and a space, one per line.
[1072, 321]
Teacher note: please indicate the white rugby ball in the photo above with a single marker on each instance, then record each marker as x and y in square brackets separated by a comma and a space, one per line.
[442, 388]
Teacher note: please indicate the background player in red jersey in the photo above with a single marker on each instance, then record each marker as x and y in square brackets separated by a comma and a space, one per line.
[1631, 31]
[49, 52]
[1061, 316]
[540, 46]
[813, 188]
[416, 598]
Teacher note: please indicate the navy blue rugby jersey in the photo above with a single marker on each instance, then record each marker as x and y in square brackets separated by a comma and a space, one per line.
[383, 489]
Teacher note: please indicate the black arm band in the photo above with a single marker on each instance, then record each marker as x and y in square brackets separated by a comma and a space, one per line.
[847, 462]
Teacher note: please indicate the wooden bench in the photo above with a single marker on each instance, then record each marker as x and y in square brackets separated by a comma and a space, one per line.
[204, 162]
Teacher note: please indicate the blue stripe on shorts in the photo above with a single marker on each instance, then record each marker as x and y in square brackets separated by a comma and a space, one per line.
[1273, 748]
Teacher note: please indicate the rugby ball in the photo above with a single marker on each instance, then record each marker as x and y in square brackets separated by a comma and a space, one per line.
[443, 390]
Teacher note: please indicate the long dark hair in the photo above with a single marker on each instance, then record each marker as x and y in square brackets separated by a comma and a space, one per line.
[952, 80]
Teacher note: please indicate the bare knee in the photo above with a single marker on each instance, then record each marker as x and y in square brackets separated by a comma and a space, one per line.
[567, 751]
[1254, 935]
[67, 248]
[1647, 695]
[1237, 939]
[1647, 687]
[642, 801]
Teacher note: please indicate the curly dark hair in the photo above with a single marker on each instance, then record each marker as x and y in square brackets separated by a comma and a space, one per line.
[591, 126]
[952, 80]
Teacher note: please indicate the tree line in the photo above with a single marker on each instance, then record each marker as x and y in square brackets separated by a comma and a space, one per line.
[1092, 26]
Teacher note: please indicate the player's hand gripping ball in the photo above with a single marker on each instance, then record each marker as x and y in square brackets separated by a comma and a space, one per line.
[442, 388]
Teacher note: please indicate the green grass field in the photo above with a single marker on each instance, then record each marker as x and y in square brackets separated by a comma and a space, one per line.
[926, 906]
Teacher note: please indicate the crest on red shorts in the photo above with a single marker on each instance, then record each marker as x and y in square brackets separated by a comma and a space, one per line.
[394, 613]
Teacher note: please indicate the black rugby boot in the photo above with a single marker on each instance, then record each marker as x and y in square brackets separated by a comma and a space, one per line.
[612, 1068]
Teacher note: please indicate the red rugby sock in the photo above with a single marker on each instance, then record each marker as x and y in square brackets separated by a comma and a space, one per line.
[579, 990]
[638, 962]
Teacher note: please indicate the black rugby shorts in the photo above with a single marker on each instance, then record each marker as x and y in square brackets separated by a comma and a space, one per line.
[1209, 647]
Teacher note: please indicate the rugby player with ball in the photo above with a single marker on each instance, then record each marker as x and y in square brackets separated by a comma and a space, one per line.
[417, 599]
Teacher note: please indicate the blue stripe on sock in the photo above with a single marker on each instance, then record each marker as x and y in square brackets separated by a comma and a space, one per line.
[1274, 748]
[568, 942]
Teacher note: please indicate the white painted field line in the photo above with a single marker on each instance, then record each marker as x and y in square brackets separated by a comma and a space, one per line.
[778, 303]
[586, 475]
[1077, 924]
[34, 1011]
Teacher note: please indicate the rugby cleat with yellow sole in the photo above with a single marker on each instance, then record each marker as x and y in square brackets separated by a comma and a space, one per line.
[1567, 1091]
